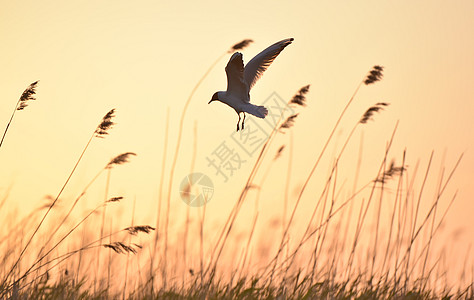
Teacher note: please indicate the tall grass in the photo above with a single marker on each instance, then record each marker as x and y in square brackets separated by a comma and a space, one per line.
[244, 43]
[375, 239]
[15, 276]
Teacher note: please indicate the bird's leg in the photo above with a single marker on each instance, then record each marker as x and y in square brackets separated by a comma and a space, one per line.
[243, 122]
[238, 122]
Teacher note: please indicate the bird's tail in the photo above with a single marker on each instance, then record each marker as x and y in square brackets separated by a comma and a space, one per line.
[258, 111]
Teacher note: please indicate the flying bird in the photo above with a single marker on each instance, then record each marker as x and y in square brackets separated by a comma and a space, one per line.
[240, 80]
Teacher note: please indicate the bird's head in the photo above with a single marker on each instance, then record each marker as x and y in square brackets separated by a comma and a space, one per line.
[214, 97]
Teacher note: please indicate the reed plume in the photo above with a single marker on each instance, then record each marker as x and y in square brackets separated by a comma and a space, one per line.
[300, 97]
[106, 124]
[279, 151]
[121, 248]
[27, 95]
[374, 75]
[114, 199]
[120, 159]
[241, 45]
[390, 173]
[134, 230]
[371, 111]
[289, 122]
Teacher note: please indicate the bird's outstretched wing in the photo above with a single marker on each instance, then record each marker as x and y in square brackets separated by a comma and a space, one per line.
[255, 67]
[235, 76]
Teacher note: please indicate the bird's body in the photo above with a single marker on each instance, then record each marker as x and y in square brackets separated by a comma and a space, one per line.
[240, 80]
[242, 105]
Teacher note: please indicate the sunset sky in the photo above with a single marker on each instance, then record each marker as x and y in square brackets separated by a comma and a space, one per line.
[144, 58]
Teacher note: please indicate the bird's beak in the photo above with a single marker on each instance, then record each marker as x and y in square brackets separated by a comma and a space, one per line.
[214, 97]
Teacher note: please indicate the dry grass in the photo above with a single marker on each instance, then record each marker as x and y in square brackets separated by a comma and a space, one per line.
[373, 242]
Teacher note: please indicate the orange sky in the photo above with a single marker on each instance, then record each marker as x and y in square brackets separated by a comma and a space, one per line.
[145, 57]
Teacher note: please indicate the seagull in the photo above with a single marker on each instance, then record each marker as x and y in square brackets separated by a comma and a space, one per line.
[240, 80]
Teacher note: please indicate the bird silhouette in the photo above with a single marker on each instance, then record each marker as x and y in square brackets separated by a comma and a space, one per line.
[241, 79]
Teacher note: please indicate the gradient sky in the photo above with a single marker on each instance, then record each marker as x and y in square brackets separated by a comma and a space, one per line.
[143, 58]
